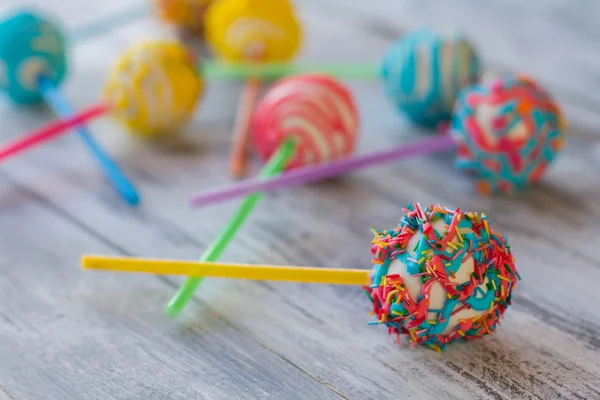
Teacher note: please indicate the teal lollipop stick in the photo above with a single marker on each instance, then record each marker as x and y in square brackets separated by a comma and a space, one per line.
[61, 107]
[221, 70]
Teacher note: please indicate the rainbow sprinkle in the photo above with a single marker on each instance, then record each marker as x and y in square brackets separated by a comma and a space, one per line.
[511, 144]
[486, 292]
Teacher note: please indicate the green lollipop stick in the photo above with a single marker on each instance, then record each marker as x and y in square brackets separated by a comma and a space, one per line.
[274, 166]
[217, 69]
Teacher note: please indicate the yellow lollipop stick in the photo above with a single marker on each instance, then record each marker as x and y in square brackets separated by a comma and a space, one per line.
[330, 276]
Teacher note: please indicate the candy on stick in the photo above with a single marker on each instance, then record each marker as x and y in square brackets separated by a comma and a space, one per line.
[317, 111]
[424, 72]
[154, 87]
[33, 65]
[302, 119]
[252, 31]
[506, 131]
[440, 276]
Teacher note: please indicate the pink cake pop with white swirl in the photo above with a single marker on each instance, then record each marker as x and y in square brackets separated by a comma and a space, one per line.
[318, 111]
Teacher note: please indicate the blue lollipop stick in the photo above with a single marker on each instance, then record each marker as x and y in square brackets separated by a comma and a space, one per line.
[61, 107]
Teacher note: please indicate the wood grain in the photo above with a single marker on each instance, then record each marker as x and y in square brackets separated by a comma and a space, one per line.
[72, 334]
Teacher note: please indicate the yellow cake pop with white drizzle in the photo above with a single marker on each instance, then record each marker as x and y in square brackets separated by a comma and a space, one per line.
[258, 30]
[154, 88]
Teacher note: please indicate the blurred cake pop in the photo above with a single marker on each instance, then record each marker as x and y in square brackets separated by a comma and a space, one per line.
[424, 72]
[241, 30]
[30, 47]
[154, 88]
[185, 14]
[440, 276]
[317, 111]
[508, 130]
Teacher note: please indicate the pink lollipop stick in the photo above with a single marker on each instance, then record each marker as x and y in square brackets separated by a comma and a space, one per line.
[50, 131]
[303, 175]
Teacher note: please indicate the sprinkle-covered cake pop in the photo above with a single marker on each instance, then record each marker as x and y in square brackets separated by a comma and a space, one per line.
[154, 87]
[424, 72]
[243, 30]
[30, 47]
[316, 110]
[186, 14]
[440, 276]
[508, 130]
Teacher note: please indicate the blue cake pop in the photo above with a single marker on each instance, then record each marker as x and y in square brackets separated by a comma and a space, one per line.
[424, 72]
[30, 47]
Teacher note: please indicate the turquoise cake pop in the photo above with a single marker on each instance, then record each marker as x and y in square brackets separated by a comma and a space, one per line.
[30, 47]
[33, 64]
[424, 72]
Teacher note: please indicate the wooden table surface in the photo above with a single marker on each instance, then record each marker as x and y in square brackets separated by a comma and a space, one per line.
[68, 334]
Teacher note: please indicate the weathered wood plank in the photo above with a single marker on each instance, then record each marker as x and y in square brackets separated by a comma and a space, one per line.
[69, 335]
[546, 348]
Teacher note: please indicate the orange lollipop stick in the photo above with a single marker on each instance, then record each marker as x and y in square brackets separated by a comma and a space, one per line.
[241, 132]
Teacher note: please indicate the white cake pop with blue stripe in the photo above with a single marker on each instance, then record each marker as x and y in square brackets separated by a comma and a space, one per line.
[424, 72]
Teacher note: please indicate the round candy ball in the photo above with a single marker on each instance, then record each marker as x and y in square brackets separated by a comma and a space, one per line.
[186, 14]
[424, 72]
[263, 30]
[441, 276]
[316, 111]
[508, 130]
[154, 87]
[30, 47]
